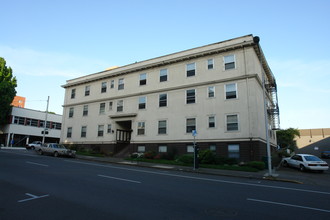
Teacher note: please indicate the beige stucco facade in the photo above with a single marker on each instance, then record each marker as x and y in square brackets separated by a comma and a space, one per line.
[225, 102]
[311, 136]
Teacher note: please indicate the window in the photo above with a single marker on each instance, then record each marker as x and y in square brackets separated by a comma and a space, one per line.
[141, 149]
[211, 122]
[190, 124]
[213, 148]
[109, 130]
[233, 151]
[142, 102]
[191, 69]
[87, 90]
[162, 100]
[229, 62]
[100, 130]
[104, 87]
[83, 131]
[69, 132]
[190, 96]
[120, 84]
[102, 108]
[71, 112]
[73, 93]
[163, 75]
[120, 105]
[190, 149]
[112, 84]
[34, 122]
[211, 91]
[143, 79]
[110, 106]
[210, 63]
[162, 127]
[85, 110]
[162, 149]
[232, 122]
[231, 91]
[141, 128]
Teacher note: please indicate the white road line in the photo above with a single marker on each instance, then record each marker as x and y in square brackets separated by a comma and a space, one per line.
[39, 164]
[290, 205]
[201, 178]
[111, 177]
[32, 197]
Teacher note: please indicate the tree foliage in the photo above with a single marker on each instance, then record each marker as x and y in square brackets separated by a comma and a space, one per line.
[285, 138]
[8, 84]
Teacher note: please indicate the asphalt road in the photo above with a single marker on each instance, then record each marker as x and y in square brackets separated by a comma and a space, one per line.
[44, 187]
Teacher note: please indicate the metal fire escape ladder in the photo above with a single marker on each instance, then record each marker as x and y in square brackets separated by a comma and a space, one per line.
[273, 109]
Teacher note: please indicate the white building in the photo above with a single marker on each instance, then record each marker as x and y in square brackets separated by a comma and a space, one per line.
[26, 125]
[155, 104]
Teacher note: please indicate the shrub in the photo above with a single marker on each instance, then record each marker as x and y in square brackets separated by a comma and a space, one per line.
[186, 158]
[207, 157]
[257, 164]
[230, 161]
[149, 155]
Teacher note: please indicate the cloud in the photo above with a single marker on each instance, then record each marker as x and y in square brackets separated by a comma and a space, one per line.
[37, 63]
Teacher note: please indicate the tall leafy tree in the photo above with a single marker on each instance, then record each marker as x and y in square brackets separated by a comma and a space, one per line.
[285, 138]
[8, 84]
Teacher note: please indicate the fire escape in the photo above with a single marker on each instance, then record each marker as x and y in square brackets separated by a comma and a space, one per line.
[273, 109]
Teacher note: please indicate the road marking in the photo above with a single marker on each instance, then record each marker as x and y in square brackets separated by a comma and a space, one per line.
[32, 197]
[111, 177]
[39, 164]
[290, 205]
[201, 178]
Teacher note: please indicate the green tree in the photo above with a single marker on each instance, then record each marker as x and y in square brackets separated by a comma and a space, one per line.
[8, 84]
[285, 138]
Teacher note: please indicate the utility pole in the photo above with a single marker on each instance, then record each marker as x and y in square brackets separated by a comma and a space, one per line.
[45, 125]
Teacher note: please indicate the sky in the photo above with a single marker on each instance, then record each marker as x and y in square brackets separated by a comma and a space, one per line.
[49, 42]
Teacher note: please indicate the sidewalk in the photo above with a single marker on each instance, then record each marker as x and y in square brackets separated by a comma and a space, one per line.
[261, 175]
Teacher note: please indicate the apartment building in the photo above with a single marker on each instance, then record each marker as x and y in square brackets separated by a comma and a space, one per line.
[154, 105]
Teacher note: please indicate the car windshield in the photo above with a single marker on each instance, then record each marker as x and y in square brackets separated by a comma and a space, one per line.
[312, 158]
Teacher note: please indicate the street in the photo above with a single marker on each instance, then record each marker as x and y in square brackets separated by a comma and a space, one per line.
[44, 187]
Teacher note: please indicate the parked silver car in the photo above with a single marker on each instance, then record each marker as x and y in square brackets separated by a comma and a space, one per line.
[55, 150]
[306, 162]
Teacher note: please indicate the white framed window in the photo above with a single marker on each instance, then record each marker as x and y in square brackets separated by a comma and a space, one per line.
[233, 151]
[211, 91]
[232, 122]
[104, 87]
[211, 121]
[143, 79]
[163, 100]
[112, 84]
[69, 132]
[121, 84]
[100, 130]
[190, 149]
[191, 69]
[141, 149]
[87, 90]
[141, 128]
[231, 91]
[83, 131]
[210, 64]
[162, 127]
[109, 129]
[142, 102]
[120, 105]
[110, 105]
[190, 96]
[163, 75]
[162, 149]
[190, 125]
[229, 62]
[102, 108]
[85, 110]
[213, 148]
[71, 112]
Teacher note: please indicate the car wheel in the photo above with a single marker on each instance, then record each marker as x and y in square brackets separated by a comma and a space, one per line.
[285, 163]
[40, 152]
[55, 154]
[302, 168]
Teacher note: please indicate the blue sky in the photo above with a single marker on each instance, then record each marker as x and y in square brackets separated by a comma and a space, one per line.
[49, 42]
